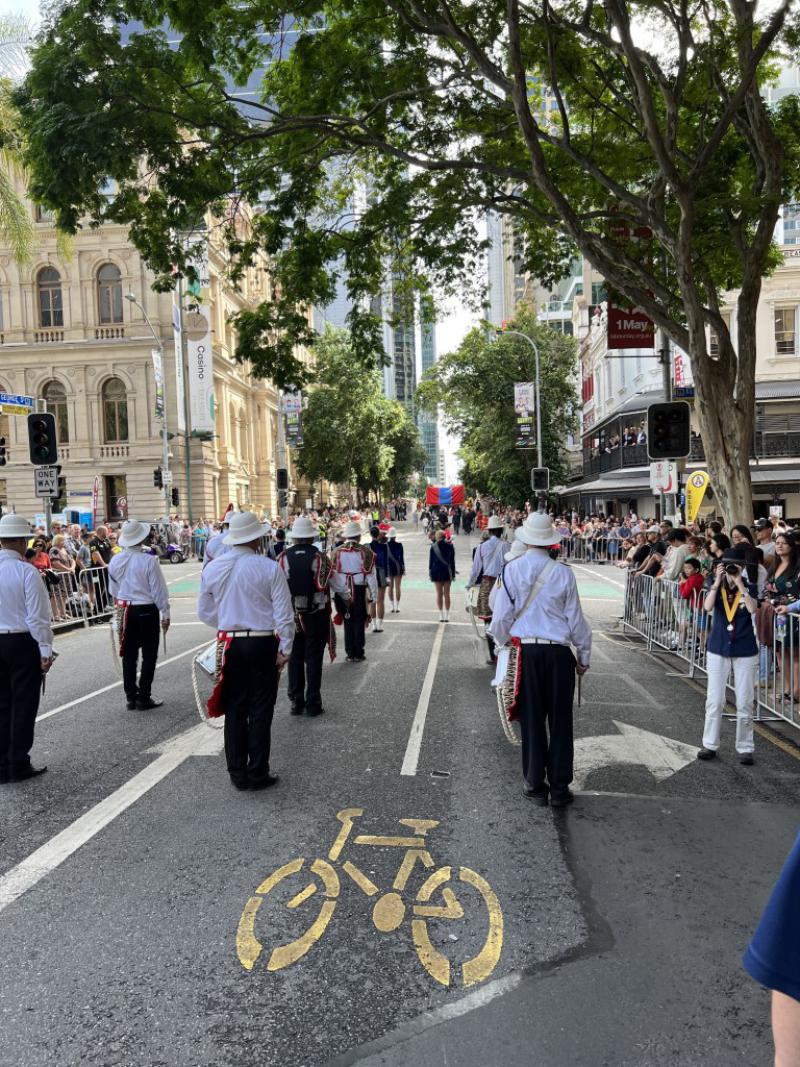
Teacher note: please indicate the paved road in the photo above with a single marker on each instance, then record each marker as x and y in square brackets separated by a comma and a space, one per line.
[609, 933]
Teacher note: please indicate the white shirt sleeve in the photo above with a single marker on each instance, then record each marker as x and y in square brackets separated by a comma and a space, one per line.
[477, 565]
[580, 629]
[158, 587]
[502, 615]
[283, 610]
[37, 611]
[206, 604]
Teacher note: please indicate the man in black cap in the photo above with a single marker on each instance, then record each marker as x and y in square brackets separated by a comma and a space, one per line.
[763, 531]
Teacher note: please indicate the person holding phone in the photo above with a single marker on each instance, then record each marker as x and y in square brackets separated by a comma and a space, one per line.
[732, 602]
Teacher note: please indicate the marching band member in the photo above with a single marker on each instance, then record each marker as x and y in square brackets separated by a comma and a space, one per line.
[310, 575]
[396, 568]
[216, 544]
[486, 565]
[246, 598]
[538, 609]
[26, 650]
[137, 584]
[378, 545]
[356, 564]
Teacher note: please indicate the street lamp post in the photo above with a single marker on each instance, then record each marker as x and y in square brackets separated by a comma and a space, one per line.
[130, 297]
[535, 347]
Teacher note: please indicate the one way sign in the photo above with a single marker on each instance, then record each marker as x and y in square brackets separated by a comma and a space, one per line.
[46, 481]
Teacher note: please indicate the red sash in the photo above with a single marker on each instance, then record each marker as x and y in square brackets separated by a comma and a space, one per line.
[214, 703]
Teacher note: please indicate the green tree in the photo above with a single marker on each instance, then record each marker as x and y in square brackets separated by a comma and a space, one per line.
[352, 434]
[16, 226]
[634, 131]
[473, 388]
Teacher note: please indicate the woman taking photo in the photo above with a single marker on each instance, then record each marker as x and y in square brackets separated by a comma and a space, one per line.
[783, 588]
[442, 571]
[395, 569]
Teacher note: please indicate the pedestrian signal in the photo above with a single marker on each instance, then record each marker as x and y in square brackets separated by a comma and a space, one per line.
[540, 479]
[175, 498]
[158, 478]
[3, 456]
[283, 478]
[669, 430]
[42, 439]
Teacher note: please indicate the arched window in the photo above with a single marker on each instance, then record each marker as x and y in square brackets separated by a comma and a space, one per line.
[109, 294]
[115, 411]
[51, 307]
[55, 399]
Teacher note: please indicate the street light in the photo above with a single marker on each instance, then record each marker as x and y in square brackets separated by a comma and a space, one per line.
[535, 347]
[130, 297]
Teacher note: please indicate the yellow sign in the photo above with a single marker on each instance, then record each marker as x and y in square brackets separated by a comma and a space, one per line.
[435, 899]
[14, 409]
[696, 487]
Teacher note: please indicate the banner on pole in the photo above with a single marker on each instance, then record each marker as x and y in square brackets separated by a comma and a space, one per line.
[158, 377]
[444, 495]
[696, 487]
[176, 334]
[524, 398]
[629, 328]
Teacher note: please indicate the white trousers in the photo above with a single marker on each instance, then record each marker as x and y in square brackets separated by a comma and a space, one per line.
[745, 669]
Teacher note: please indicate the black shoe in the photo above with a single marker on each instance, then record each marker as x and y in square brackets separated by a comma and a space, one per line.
[296, 709]
[145, 705]
[350, 659]
[560, 798]
[265, 783]
[312, 713]
[491, 661]
[22, 775]
[240, 785]
[746, 759]
[706, 753]
[131, 704]
[361, 658]
[538, 796]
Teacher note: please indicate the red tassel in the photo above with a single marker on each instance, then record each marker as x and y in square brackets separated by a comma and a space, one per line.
[337, 619]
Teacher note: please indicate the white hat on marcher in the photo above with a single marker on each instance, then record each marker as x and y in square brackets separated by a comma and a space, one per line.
[14, 527]
[538, 530]
[351, 530]
[392, 532]
[133, 533]
[244, 527]
[495, 523]
[303, 527]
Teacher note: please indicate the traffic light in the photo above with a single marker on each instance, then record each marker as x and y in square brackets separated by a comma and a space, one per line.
[3, 456]
[283, 478]
[175, 497]
[42, 439]
[283, 498]
[540, 479]
[158, 478]
[669, 430]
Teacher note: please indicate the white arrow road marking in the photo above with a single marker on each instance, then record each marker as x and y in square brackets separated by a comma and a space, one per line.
[660, 755]
[198, 741]
[411, 758]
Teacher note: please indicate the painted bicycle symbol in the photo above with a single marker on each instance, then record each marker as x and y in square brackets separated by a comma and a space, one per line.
[435, 899]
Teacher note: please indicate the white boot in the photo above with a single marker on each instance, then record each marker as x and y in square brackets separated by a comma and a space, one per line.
[441, 616]
[375, 626]
[447, 616]
[391, 607]
[380, 626]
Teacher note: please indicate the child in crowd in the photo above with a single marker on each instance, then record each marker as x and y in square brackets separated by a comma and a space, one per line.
[690, 589]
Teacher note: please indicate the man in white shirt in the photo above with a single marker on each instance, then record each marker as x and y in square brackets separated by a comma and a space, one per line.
[246, 598]
[140, 592]
[216, 543]
[26, 650]
[538, 610]
[763, 529]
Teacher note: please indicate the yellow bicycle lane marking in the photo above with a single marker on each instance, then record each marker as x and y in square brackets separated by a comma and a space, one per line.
[390, 909]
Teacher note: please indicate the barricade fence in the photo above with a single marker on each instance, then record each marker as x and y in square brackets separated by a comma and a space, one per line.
[655, 610]
[79, 596]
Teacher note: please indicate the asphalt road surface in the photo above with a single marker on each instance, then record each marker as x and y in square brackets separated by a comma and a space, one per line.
[421, 910]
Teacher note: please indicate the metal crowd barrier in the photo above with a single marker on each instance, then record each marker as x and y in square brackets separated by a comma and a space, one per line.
[655, 610]
[78, 596]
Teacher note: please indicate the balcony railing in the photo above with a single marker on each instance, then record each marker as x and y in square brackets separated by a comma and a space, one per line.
[48, 337]
[765, 446]
[109, 333]
[114, 451]
[617, 459]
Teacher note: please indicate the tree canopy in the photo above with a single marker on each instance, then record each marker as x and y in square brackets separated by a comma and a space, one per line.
[473, 388]
[353, 434]
[634, 131]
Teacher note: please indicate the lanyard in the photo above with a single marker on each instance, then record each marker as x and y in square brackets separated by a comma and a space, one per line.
[730, 609]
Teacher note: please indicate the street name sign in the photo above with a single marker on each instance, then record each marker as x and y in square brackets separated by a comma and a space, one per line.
[11, 404]
[46, 481]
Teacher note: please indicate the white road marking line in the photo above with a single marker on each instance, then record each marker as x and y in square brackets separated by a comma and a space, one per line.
[602, 577]
[195, 623]
[116, 685]
[426, 622]
[358, 688]
[197, 741]
[411, 758]
[644, 694]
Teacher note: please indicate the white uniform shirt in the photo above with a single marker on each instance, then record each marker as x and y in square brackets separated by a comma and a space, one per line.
[135, 576]
[349, 563]
[555, 613]
[24, 604]
[488, 559]
[244, 591]
[216, 547]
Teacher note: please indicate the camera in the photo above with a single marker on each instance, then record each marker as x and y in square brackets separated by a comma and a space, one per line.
[731, 568]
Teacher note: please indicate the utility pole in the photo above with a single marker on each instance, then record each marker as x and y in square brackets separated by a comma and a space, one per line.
[282, 461]
[164, 434]
[537, 401]
[187, 440]
[665, 359]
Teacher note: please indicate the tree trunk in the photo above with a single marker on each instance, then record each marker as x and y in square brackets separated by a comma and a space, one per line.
[726, 427]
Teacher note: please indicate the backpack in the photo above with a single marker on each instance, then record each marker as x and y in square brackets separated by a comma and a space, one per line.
[301, 569]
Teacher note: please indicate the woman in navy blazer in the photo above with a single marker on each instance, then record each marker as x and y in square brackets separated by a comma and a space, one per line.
[395, 569]
[442, 571]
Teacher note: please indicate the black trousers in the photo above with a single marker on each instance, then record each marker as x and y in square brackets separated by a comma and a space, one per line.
[546, 692]
[354, 637]
[249, 689]
[141, 635]
[20, 689]
[305, 662]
